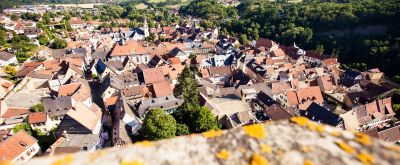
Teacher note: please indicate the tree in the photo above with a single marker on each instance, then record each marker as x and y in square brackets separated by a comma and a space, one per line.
[43, 40]
[38, 107]
[14, 17]
[158, 125]
[181, 129]
[204, 120]
[186, 89]
[319, 48]
[23, 126]
[243, 39]
[59, 43]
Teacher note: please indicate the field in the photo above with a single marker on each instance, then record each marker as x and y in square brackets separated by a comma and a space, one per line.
[141, 6]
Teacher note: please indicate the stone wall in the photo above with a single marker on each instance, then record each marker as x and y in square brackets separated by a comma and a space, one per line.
[299, 141]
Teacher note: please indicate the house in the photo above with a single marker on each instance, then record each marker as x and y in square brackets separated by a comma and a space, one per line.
[161, 89]
[220, 75]
[300, 97]
[238, 119]
[57, 107]
[19, 148]
[40, 121]
[77, 23]
[153, 75]
[351, 77]
[80, 120]
[326, 83]
[124, 123]
[317, 113]
[7, 58]
[248, 94]
[375, 114]
[132, 49]
[167, 103]
[71, 143]
[32, 33]
[276, 112]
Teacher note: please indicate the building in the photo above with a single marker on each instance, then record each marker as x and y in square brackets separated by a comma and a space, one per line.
[7, 58]
[19, 147]
[41, 121]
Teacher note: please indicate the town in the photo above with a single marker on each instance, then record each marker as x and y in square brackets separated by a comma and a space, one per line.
[70, 83]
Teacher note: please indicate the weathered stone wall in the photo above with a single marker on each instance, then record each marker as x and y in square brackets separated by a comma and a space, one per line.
[297, 142]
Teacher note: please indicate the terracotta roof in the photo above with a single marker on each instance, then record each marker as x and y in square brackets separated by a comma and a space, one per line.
[68, 89]
[111, 100]
[327, 82]
[292, 98]
[331, 61]
[76, 21]
[310, 93]
[130, 47]
[220, 71]
[278, 87]
[15, 112]
[16, 145]
[175, 60]
[135, 91]
[162, 89]
[38, 117]
[265, 43]
[153, 75]
[278, 53]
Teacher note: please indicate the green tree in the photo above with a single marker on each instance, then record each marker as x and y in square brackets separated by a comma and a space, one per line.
[59, 43]
[23, 126]
[181, 129]
[43, 40]
[204, 120]
[243, 39]
[158, 125]
[38, 107]
[319, 48]
[186, 89]
[14, 17]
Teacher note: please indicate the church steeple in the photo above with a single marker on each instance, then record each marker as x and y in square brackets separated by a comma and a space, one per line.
[146, 28]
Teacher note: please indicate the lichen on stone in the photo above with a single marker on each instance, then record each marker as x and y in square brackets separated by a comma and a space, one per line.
[266, 148]
[301, 121]
[145, 143]
[212, 133]
[363, 139]
[365, 158]
[223, 154]
[305, 148]
[307, 162]
[256, 131]
[257, 159]
[345, 147]
[132, 162]
[64, 160]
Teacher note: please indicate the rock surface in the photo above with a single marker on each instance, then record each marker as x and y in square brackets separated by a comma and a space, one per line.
[283, 143]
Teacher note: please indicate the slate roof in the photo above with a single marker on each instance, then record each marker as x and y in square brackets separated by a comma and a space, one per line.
[57, 106]
[318, 113]
[5, 56]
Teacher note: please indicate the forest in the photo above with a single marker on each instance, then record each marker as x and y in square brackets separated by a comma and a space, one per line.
[361, 33]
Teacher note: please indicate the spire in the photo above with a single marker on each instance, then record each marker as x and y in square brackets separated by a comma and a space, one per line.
[146, 28]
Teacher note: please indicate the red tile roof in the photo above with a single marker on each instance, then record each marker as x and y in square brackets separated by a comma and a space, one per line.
[68, 89]
[153, 75]
[15, 112]
[131, 47]
[310, 93]
[38, 117]
[16, 145]
[162, 89]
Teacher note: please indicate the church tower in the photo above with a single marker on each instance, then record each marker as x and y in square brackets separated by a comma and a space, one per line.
[146, 28]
